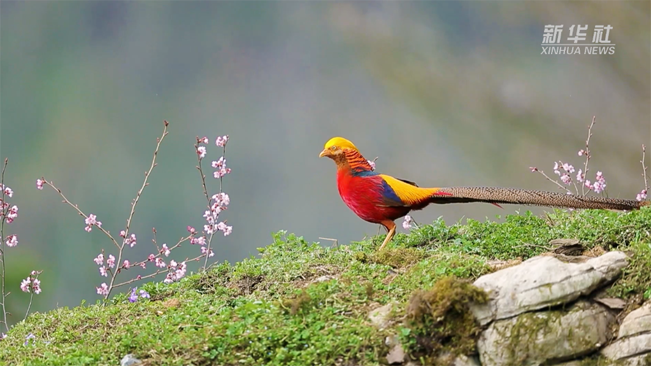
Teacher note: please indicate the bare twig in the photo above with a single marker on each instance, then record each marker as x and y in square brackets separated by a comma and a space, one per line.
[551, 180]
[79, 211]
[646, 185]
[203, 181]
[138, 264]
[119, 245]
[135, 202]
[205, 193]
[587, 153]
[203, 178]
[147, 173]
[335, 242]
[2, 252]
[33, 276]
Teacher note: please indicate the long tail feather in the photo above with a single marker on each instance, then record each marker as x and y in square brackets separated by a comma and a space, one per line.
[497, 195]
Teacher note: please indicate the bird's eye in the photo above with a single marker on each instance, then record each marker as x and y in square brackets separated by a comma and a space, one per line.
[333, 148]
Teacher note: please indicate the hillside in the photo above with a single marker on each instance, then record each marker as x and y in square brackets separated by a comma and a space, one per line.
[300, 303]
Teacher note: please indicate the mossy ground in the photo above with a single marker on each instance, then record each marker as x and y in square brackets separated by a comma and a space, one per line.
[304, 304]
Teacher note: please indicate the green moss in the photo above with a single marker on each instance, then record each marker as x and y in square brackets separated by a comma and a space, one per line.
[296, 303]
[398, 257]
[439, 319]
[636, 277]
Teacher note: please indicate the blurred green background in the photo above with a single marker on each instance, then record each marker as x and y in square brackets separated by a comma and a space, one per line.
[444, 93]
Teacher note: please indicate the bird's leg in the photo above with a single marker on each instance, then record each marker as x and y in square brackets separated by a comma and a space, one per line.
[391, 227]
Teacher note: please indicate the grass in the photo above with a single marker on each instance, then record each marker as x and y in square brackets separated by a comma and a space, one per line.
[299, 303]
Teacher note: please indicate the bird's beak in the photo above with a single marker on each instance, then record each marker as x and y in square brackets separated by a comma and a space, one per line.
[325, 152]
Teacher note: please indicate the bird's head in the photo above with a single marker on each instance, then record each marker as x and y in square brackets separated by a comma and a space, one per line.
[335, 149]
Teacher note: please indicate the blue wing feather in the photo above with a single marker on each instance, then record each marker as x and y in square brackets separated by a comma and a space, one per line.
[389, 195]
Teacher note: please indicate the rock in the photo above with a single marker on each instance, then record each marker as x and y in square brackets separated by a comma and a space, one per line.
[571, 363]
[130, 360]
[381, 317]
[634, 336]
[641, 360]
[637, 321]
[497, 264]
[569, 247]
[323, 278]
[564, 242]
[463, 360]
[542, 337]
[541, 282]
[392, 341]
[396, 355]
[612, 303]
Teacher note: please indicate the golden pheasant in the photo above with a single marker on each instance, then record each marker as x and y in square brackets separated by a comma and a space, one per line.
[381, 199]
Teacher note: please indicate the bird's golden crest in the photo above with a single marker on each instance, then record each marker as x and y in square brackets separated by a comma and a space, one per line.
[341, 143]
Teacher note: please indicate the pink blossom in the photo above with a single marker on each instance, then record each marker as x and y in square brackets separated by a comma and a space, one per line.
[221, 141]
[600, 183]
[556, 171]
[31, 283]
[191, 230]
[90, 221]
[160, 263]
[39, 184]
[210, 216]
[371, 163]
[12, 240]
[600, 177]
[102, 271]
[565, 178]
[102, 289]
[598, 187]
[123, 233]
[227, 230]
[219, 163]
[126, 264]
[642, 195]
[201, 240]
[581, 152]
[180, 270]
[165, 250]
[201, 151]
[579, 176]
[222, 199]
[24, 284]
[215, 209]
[221, 172]
[12, 214]
[7, 191]
[151, 258]
[533, 169]
[202, 140]
[204, 250]
[36, 286]
[99, 260]
[130, 241]
[110, 261]
[407, 223]
[568, 168]
[177, 271]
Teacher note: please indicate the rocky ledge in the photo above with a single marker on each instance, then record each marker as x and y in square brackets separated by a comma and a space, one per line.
[550, 311]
